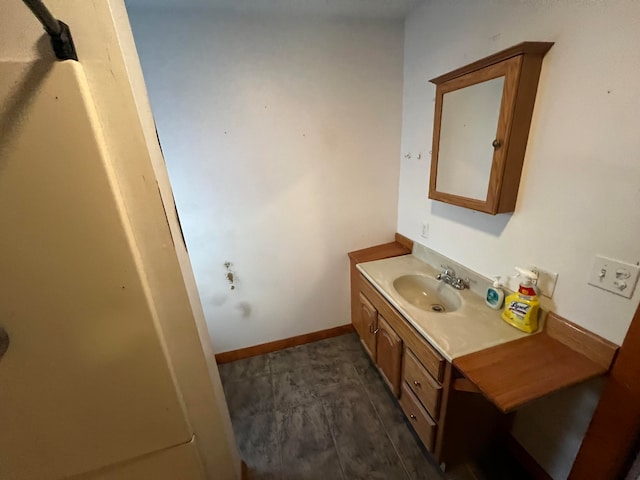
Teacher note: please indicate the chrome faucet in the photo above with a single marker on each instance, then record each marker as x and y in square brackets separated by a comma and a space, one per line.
[448, 276]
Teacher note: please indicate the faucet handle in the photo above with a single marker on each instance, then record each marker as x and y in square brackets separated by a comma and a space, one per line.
[460, 283]
[448, 270]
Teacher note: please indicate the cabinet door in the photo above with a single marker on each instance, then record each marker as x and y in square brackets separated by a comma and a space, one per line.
[389, 354]
[366, 325]
[482, 116]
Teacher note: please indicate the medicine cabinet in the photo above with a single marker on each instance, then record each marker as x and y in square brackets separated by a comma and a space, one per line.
[482, 118]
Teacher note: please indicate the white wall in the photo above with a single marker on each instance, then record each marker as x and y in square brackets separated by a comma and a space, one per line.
[281, 137]
[579, 192]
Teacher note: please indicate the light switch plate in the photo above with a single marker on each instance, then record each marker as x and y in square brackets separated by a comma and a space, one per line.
[425, 230]
[614, 276]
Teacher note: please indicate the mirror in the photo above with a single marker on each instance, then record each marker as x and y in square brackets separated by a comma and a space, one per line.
[481, 125]
[469, 125]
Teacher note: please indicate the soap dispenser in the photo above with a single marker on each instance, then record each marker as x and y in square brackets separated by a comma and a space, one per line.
[521, 308]
[495, 295]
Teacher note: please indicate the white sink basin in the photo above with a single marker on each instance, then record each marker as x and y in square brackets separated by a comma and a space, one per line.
[467, 324]
[427, 293]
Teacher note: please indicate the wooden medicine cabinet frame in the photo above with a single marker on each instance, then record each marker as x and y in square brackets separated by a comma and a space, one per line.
[520, 66]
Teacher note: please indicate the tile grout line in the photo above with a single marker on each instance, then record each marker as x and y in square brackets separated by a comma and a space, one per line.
[315, 397]
[386, 432]
[333, 438]
[275, 418]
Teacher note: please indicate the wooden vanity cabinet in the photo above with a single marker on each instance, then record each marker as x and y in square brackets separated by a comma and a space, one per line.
[365, 324]
[404, 357]
[461, 409]
[426, 388]
[388, 354]
[452, 425]
[423, 424]
[380, 341]
[411, 368]
[378, 338]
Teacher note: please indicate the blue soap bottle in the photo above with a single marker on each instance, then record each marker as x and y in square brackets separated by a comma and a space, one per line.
[495, 295]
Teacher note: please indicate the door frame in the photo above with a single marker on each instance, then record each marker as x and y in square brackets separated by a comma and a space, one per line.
[610, 444]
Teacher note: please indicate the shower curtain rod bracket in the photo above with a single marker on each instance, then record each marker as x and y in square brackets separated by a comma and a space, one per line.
[61, 39]
[62, 43]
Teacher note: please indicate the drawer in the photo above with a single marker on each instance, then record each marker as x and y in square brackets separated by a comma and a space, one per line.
[422, 423]
[422, 383]
[431, 360]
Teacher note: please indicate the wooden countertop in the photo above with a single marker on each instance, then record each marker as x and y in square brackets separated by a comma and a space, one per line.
[517, 372]
[402, 246]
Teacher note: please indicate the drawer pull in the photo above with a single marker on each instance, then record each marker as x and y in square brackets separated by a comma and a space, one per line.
[416, 383]
[375, 332]
[413, 417]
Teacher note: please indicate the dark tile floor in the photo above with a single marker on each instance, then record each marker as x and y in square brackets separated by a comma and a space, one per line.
[321, 411]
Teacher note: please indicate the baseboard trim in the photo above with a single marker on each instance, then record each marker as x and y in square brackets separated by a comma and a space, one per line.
[526, 461]
[268, 347]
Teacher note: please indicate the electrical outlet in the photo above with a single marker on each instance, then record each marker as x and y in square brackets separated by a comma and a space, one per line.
[425, 230]
[546, 281]
[614, 276]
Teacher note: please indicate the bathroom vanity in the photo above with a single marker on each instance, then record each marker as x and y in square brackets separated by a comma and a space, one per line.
[457, 370]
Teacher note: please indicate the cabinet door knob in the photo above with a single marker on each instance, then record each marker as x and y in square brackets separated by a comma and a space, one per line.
[4, 341]
[496, 143]
[416, 383]
[413, 417]
[375, 332]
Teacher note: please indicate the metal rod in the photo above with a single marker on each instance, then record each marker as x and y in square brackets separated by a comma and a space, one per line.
[44, 16]
[59, 32]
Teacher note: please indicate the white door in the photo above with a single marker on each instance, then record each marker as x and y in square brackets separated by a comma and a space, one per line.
[85, 381]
